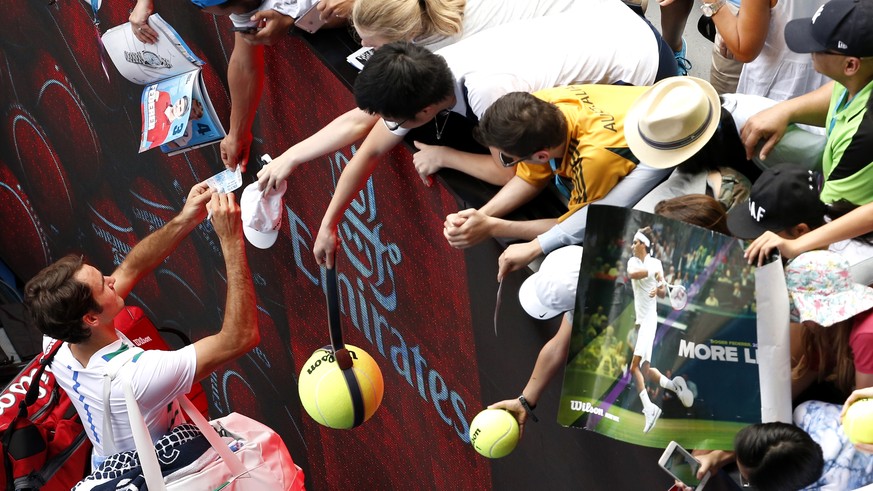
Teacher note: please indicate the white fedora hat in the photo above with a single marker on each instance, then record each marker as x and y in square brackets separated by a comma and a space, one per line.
[672, 121]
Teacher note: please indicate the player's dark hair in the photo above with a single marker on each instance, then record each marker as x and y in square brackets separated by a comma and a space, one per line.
[650, 234]
[55, 301]
[401, 79]
[520, 124]
[778, 456]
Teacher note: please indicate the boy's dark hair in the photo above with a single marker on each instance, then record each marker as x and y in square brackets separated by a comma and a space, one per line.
[778, 456]
[520, 124]
[401, 79]
[55, 301]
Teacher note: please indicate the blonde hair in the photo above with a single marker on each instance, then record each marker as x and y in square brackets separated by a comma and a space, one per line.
[423, 21]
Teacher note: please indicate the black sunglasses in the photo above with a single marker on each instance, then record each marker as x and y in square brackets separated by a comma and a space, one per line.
[508, 161]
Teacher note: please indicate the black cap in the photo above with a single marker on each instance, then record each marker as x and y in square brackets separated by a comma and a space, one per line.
[839, 26]
[784, 196]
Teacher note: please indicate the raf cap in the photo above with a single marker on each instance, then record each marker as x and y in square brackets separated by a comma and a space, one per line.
[784, 196]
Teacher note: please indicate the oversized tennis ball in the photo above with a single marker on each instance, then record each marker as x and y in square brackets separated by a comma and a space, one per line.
[858, 422]
[494, 433]
[324, 390]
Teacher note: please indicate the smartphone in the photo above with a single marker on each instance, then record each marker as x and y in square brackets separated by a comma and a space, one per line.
[245, 29]
[680, 464]
[310, 21]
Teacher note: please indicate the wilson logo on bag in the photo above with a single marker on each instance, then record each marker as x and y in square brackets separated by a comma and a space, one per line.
[44, 445]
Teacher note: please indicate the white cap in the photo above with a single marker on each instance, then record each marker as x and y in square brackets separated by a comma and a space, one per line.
[552, 290]
[262, 214]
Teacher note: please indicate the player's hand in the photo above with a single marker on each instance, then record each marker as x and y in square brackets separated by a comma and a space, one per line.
[272, 174]
[474, 227]
[194, 210]
[325, 246]
[226, 218]
[768, 125]
[335, 8]
[761, 248]
[235, 151]
[516, 410]
[517, 256]
[428, 160]
[273, 27]
[139, 22]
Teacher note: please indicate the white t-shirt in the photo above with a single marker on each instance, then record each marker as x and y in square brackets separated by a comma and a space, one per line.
[157, 378]
[599, 41]
[480, 15]
[291, 8]
[645, 306]
[779, 73]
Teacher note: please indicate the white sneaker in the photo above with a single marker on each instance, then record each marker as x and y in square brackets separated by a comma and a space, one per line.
[683, 392]
[652, 413]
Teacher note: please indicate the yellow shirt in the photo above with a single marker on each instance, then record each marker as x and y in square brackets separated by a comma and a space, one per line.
[596, 155]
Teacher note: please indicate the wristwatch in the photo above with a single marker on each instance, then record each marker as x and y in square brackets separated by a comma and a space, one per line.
[709, 9]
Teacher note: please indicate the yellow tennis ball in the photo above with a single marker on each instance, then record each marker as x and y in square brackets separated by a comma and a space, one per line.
[324, 391]
[858, 422]
[494, 433]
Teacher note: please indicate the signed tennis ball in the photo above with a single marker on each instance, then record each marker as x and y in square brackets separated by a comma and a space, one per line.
[324, 390]
[858, 422]
[494, 433]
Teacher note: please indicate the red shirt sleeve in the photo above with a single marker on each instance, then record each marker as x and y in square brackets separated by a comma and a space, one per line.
[861, 341]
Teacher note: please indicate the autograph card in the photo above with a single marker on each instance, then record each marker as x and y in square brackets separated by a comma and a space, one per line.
[226, 181]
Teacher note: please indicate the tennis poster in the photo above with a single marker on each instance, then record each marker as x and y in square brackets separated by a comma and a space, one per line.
[665, 343]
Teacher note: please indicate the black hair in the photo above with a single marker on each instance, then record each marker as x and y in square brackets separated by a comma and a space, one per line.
[778, 456]
[724, 149]
[401, 79]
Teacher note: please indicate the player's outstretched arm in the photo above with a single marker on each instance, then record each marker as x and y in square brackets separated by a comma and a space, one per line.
[153, 249]
[239, 331]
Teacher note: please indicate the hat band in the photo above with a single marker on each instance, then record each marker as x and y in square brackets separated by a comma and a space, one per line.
[682, 142]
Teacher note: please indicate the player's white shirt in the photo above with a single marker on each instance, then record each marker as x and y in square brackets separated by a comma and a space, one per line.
[645, 306]
[157, 378]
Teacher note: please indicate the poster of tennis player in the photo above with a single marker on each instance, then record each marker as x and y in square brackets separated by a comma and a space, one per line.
[664, 344]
